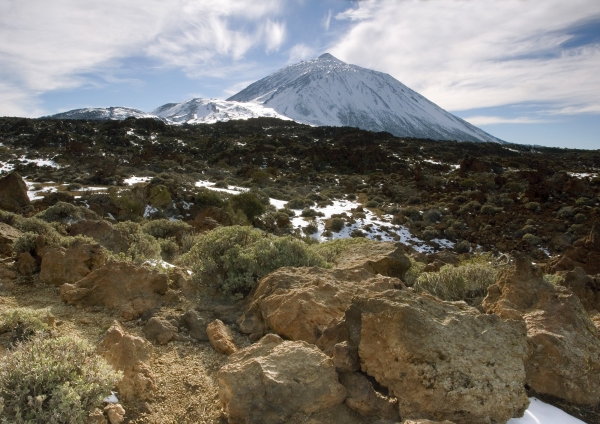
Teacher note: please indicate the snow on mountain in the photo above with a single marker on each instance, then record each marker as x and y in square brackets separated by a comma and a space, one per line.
[327, 91]
[101, 114]
[208, 111]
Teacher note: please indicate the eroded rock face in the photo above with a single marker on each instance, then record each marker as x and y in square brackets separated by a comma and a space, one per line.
[385, 258]
[564, 359]
[220, 337]
[131, 355]
[442, 360]
[585, 253]
[13, 193]
[273, 380]
[60, 265]
[118, 285]
[585, 287]
[300, 303]
[365, 400]
[8, 235]
[102, 232]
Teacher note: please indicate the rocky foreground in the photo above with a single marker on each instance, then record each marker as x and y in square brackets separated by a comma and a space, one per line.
[348, 344]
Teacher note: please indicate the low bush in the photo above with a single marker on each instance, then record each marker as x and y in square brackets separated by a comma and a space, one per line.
[67, 213]
[336, 224]
[468, 281]
[206, 198]
[235, 257]
[164, 228]
[331, 249]
[24, 323]
[53, 381]
[248, 203]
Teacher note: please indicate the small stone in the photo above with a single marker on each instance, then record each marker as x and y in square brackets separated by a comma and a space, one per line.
[220, 337]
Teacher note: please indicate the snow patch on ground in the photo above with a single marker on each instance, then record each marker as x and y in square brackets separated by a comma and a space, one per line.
[211, 186]
[542, 413]
[136, 180]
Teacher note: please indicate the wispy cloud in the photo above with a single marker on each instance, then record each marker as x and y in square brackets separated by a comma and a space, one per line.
[488, 120]
[466, 54]
[47, 45]
[300, 52]
[327, 19]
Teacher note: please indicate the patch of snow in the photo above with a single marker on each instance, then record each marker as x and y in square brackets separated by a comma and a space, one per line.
[40, 162]
[136, 180]
[149, 210]
[210, 186]
[582, 174]
[111, 399]
[542, 413]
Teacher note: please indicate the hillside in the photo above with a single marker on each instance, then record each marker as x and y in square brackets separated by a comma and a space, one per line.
[264, 250]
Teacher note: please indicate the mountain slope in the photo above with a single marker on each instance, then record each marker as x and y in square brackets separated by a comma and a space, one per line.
[207, 111]
[327, 91]
[101, 114]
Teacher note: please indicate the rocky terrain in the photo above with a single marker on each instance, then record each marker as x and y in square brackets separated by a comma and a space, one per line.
[264, 271]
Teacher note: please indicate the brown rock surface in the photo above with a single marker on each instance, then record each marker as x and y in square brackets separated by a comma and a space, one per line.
[273, 380]
[60, 265]
[365, 400]
[300, 303]
[13, 193]
[115, 413]
[102, 232]
[26, 264]
[131, 355]
[584, 253]
[564, 359]
[118, 285]
[442, 360]
[8, 235]
[585, 287]
[220, 337]
[159, 330]
[385, 258]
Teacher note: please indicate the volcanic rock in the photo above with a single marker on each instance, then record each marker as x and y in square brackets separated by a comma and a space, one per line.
[585, 287]
[383, 258]
[584, 253]
[159, 330]
[60, 265]
[300, 303]
[13, 193]
[273, 380]
[564, 359]
[442, 360]
[118, 285]
[220, 337]
[102, 232]
[131, 355]
[8, 235]
[365, 400]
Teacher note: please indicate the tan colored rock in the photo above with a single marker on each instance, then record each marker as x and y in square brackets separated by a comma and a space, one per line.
[426, 422]
[8, 235]
[122, 286]
[96, 417]
[345, 357]
[441, 360]
[13, 193]
[564, 359]
[365, 400]
[585, 253]
[60, 265]
[159, 330]
[586, 288]
[220, 337]
[273, 380]
[26, 264]
[102, 232]
[385, 258]
[131, 355]
[300, 303]
[115, 413]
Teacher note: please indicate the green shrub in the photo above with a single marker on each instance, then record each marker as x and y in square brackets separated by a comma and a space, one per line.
[432, 216]
[467, 184]
[463, 246]
[565, 212]
[164, 228]
[553, 279]
[169, 249]
[336, 224]
[143, 247]
[159, 196]
[235, 257]
[468, 281]
[532, 239]
[24, 323]
[25, 243]
[488, 209]
[330, 250]
[248, 203]
[67, 213]
[299, 203]
[413, 273]
[131, 202]
[206, 198]
[53, 381]
[311, 228]
[533, 206]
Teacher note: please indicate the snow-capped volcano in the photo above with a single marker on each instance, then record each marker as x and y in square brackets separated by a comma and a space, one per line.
[102, 114]
[207, 111]
[327, 91]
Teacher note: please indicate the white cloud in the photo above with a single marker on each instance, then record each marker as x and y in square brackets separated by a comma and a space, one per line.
[54, 44]
[474, 54]
[487, 120]
[327, 20]
[274, 35]
[301, 52]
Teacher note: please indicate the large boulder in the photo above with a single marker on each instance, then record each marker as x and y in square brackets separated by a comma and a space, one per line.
[122, 286]
[60, 265]
[442, 360]
[585, 253]
[102, 232]
[585, 287]
[274, 380]
[564, 360]
[8, 235]
[385, 258]
[13, 193]
[300, 303]
[131, 355]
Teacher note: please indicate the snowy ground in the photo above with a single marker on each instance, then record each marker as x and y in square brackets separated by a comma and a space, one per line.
[542, 413]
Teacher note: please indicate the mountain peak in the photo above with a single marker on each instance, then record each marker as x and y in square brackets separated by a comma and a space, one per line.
[329, 57]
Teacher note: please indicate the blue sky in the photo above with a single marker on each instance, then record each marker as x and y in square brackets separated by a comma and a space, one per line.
[523, 70]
